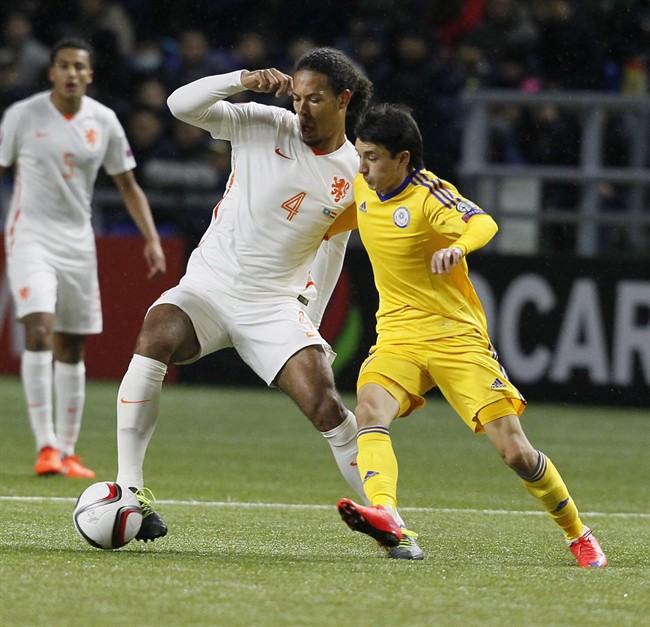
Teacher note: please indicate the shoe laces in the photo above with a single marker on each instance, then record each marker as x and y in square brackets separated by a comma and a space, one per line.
[407, 535]
[145, 497]
[585, 549]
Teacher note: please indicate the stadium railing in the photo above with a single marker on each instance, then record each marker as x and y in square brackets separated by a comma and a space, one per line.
[513, 192]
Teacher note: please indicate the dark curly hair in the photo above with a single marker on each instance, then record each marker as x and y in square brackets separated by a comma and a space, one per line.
[341, 74]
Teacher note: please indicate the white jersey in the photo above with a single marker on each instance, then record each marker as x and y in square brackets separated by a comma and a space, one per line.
[58, 160]
[281, 197]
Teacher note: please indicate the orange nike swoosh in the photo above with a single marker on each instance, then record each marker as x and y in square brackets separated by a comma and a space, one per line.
[310, 334]
[125, 402]
[279, 153]
[41, 134]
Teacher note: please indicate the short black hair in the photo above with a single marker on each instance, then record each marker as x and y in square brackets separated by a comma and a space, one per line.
[393, 127]
[74, 43]
[341, 74]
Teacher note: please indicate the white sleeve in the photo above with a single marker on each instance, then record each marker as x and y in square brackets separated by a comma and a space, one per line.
[9, 131]
[196, 102]
[325, 272]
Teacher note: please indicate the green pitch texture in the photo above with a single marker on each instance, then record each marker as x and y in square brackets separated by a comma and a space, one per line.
[249, 488]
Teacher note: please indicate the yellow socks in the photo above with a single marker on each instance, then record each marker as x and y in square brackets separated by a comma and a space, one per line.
[546, 485]
[377, 465]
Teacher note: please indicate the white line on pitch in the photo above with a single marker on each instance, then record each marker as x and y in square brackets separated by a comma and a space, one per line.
[429, 510]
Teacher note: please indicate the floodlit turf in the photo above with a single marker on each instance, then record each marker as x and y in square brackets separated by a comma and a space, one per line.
[223, 462]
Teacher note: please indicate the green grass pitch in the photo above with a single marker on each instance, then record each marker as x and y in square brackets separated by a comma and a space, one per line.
[249, 488]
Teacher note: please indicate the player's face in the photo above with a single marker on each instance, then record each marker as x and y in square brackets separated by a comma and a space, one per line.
[70, 74]
[380, 171]
[320, 111]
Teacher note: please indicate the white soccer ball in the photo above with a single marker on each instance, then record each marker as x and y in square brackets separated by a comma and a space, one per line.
[107, 515]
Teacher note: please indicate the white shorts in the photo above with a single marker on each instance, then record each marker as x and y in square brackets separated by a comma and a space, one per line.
[44, 283]
[265, 332]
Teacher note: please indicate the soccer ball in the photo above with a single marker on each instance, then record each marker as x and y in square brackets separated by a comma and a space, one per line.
[107, 515]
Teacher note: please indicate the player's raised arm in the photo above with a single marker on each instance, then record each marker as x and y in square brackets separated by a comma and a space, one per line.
[195, 102]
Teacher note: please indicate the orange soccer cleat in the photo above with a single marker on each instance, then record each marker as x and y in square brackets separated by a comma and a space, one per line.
[588, 552]
[374, 521]
[73, 468]
[48, 461]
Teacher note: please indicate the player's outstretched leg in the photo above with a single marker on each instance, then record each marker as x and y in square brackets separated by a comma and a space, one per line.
[153, 526]
[374, 521]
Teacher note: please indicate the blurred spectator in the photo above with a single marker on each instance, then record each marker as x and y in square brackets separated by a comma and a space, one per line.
[295, 49]
[422, 78]
[551, 136]
[146, 132]
[452, 19]
[105, 16]
[147, 60]
[151, 93]
[570, 53]
[195, 60]
[365, 42]
[187, 166]
[24, 58]
[626, 28]
[507, 31]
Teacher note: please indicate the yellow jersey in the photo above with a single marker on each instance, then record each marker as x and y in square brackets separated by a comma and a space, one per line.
[401, 231]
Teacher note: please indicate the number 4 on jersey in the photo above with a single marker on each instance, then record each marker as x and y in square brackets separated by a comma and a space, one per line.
[292, 205]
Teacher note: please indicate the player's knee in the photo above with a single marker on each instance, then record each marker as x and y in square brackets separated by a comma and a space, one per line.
[326, 411]
[519, 457]
[365, 412]
[39, 337]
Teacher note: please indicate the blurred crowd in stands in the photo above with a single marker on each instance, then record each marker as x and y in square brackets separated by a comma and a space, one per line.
[425, 53]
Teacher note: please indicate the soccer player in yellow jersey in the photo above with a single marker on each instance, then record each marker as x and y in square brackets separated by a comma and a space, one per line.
[432, 331]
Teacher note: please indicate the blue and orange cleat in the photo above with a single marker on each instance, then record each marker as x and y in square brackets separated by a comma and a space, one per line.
[587, 551]
[374, 521]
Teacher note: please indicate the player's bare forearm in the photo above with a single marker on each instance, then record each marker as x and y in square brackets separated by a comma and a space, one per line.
[268, 81]
[138, 207]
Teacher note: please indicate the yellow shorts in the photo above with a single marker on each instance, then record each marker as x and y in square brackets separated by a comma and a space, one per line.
[464, 367]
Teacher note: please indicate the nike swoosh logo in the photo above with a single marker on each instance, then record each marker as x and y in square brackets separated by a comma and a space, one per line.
[125, 402]
[39, 134]
[279, 153]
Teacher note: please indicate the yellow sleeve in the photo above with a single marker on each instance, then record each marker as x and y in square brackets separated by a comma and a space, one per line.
[481, 228]
[347, 221]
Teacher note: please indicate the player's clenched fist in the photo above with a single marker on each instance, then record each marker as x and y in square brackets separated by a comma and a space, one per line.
[267, 81]
[445, 259]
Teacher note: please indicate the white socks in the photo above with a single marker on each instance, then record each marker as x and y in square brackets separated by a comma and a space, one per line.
[138, 401]
[36, 375]
[70, 392]
[343, 442]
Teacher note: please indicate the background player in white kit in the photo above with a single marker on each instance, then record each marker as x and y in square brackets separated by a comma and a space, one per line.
[248, 279]
[58, 140]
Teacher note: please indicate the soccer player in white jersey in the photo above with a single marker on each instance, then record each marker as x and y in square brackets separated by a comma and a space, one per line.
[247, 282]
[58, 140]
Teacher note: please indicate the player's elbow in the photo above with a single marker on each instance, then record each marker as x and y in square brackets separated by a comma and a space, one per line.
[178, 106]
